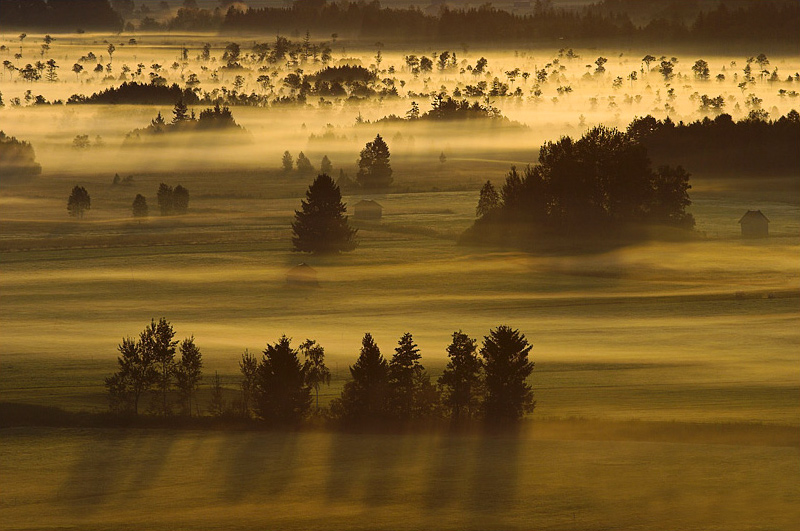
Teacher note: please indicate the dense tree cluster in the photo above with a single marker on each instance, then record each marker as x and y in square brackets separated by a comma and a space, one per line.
[374, 169]
[212, 119]
[769, 21]
[600, 186]
[172, 200]
[490, 383]
[78, 202]
[147, 365]
[755, 143]
[134, 93]
[17, 159]
[64, 15]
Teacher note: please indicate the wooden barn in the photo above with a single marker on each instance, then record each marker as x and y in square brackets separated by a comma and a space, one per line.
[302, 275]
[754, 225]
[368, 209]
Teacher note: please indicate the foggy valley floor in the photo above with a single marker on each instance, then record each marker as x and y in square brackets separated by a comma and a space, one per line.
[666, 371]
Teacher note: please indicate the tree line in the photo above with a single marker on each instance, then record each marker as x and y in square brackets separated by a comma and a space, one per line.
[171, 201]
[598, 188]
[488, 383]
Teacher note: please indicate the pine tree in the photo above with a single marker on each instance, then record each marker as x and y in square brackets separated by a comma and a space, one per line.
[283, 395]
[248, 366]
[489, 200]
[374, 170]
[166, 202]
[180, 200]
[364, 398]
[303, 164]
[136, 375]
[320, 225]
[180, 112]
[403, 367]
[188, 373]
[78, 202]
[325, 165]
[287, 161]
[140, 209]
[505, 357]
[461, 380]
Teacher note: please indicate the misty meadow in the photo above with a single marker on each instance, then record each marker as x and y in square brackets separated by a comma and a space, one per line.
[321, 264]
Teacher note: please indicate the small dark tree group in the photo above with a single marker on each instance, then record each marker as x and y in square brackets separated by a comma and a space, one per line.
[321, 226]
[374, 170]
[172, 200]
[148, 365]
[492, 387]
[78, 202]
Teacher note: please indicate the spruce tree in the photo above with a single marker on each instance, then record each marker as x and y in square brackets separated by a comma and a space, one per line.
[320, 225]
[505, 357]
[364, 398]
[460, 381]
[140, 209]
[282, 394]
[403, 368]
[374, 170]
[188, 373]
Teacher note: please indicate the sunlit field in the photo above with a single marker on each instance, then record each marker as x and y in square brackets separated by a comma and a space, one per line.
[666, 379]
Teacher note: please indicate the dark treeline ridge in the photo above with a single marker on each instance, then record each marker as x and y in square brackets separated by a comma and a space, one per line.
[17, 159]
[487, 384]
[601, 190]
[64, 15]
[752, 145]
[767, 20]
[446, 109]
[217, 118]
[134, 93]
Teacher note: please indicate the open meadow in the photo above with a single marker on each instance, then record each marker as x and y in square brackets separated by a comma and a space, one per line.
[665, 378]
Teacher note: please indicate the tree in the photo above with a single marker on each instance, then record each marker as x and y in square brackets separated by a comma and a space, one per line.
[287, 161]
[489, 200]
[442, 157]
[188, 373]
[403, 368]
[137, 374]
[374, 170]
[180, 200]
[77, 68]
[321, 225]
[111, 49]
[505, 358]
[317, 373]
[461, 382]
[166, 202]
[700, 69]
[303, 164]
[282, 394]
[364, 398]
[140, 209]
[217, 404]
[325, 165]
[248, 366]
[78, 202]
[158, 345]
[180, 112]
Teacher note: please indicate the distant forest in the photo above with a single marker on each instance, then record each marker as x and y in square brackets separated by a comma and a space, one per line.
[774, 21]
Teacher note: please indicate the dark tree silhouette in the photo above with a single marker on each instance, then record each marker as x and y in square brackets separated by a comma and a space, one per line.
[79, 202]
[374, 170]
[461, 381]
[488, 201]
[282, 394]
[325, 165]
[140, 209]
[166, 201]
[364, 398]
[317, 373]
[188, 373]
[180, 112]
[303, 164]
[180, 200]
[505, 358]
[17, 159]
[158, 345]
[403, 368]
[287, 161]
[216, 406]
[137, 374]
[320, 225]
[248, 366]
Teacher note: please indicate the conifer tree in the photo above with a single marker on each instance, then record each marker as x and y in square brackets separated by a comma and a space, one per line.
[78, 202]
[505, 357]
[140, 209]
[320, 225]
[188, 373]
[282, 394]
[403, 367]
[364, 398]
[461, 380]
[374, 170]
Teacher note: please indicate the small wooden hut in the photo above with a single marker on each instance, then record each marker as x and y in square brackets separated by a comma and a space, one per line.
[754, 225]
[302, 275]
[368, 209]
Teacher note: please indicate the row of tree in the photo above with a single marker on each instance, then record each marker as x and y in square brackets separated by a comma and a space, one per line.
[490, 382]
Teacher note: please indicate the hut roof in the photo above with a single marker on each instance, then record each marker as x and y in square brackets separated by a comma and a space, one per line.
[754, 215]
[302, 268]
[368, 203]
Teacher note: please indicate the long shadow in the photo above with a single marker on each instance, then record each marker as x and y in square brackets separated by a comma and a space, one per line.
[495, 470]
[257, 463]
[448, 471]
